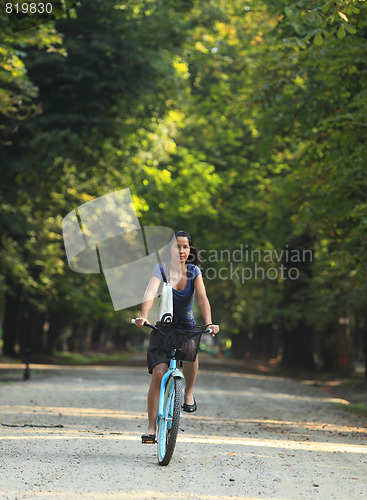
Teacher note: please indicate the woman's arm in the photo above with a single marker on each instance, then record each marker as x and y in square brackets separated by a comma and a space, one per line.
[149, 295]
[203, 302]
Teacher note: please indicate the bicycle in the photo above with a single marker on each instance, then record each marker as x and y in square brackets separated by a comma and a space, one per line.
[177, 343]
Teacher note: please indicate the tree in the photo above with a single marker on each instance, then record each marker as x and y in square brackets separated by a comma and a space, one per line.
[103, 101]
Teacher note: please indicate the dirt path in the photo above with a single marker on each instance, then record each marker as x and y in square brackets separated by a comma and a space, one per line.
[74, 433]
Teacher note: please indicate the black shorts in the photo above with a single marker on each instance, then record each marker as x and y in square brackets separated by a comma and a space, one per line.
[153, 357]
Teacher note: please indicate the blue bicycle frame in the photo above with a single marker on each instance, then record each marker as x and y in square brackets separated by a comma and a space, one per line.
[173, 371]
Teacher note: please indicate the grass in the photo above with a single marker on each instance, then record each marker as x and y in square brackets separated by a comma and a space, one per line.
[77, 359]
[69, 358]
[5, 359]
[356, 408]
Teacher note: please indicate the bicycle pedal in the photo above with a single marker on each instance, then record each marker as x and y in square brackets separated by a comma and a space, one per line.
[148, 439]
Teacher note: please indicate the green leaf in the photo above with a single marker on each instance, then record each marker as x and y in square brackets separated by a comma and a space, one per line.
[327, 5]
[351, 29]
[318, 40]
[341, 32]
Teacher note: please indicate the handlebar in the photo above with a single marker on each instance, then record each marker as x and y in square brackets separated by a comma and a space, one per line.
[208, 330]
[145, 324]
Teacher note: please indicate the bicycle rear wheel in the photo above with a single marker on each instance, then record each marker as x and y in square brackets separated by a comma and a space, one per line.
[168, 425]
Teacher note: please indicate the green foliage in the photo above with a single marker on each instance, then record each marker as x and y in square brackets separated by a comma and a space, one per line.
[244, 124]
[106, 120]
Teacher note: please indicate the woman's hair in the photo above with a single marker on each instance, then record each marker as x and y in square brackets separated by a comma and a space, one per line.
[194, 257]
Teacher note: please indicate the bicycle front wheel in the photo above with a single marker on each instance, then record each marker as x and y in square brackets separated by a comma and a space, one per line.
[169, 424]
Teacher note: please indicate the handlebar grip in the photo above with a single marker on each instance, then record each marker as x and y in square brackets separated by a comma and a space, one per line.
[145, 324]
[209, 330]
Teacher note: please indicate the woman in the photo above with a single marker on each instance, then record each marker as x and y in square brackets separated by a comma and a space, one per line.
[186, 279]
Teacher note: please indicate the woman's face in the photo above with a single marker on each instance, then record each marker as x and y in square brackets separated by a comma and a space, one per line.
[182, 247]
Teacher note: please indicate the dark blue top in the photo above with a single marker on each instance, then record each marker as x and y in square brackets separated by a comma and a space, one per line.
[182, 299]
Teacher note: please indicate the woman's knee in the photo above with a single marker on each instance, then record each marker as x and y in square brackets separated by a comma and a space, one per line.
[158, 372]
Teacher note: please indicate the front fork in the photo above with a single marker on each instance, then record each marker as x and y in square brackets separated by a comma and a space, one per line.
[174, 373]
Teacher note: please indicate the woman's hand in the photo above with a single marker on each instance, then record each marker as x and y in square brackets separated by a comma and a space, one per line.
[214, 328]
[140, 321]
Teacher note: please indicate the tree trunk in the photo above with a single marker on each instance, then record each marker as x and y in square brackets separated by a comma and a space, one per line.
[73, 341]
[240, 348]
[345, 359]
[97, 332]
[32, 331]
[53, 334]
[12, 311]
[364, 346]
[37, 331]
[88, 337]
[298, 337]
[298, 347]
[328, 352]
[264, 340]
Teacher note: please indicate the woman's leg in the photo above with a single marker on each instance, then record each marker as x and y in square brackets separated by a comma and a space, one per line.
[190, 371]
[153, 395]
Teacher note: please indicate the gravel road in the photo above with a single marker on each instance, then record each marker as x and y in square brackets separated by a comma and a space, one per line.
[71, 433]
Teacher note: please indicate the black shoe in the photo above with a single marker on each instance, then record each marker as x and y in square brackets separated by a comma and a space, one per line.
[148, 439]
[190, 408]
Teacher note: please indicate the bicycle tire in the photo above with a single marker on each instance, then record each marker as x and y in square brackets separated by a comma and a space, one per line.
[169, 424]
